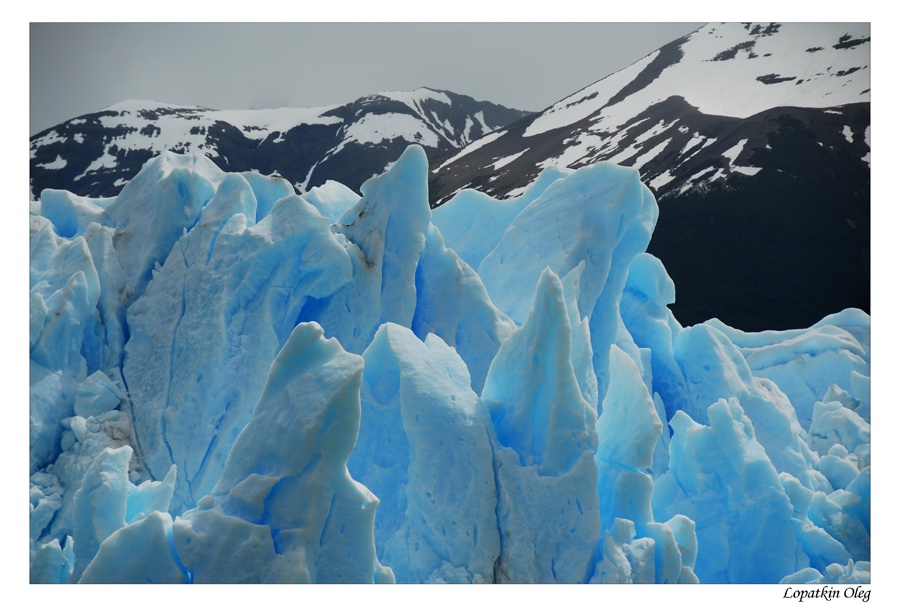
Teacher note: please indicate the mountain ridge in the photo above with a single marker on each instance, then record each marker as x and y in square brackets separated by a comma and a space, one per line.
[720, 124]
[736, 128]
[593, 120]
[95, 154]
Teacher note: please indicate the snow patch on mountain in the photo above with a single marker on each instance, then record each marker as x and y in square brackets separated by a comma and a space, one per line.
[732, 155]
[662, 180]
[848, 134]
[505, 161]
[375, 128]
[414, 98]
[473, 147]
[587, 101]
[868, 156]
[717, 78]
[56, 164]
[650, 155]
[48, 139]
[256, 124]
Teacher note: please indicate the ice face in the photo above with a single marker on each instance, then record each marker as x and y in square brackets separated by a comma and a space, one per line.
[70, 214]
[332, 199]
[107, 501]
[64, 293]
[285, 509]
[627, 432]
[535, 402]
[546, 473]
[636, 548]
[805, 363]
[385, 238]
[473, 222]
[648, 291]
[744, 534]
[471, 324]
[231, 288]
[424, 450]
[137, 553]
[154, 209]
[715, 369]
[234, 383]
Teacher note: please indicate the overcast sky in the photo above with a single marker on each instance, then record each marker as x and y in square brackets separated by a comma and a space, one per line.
[78, 68]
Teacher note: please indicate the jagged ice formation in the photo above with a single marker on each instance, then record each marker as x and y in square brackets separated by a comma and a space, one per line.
[234, 383]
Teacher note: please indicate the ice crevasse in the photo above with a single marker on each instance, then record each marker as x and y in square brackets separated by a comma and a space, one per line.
[230, 382]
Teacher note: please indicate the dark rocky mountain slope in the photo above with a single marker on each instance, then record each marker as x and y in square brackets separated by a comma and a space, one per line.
[755, 140]
[96, 154]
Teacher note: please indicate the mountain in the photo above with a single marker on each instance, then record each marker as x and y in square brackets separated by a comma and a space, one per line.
[96, 154]
[755, 140]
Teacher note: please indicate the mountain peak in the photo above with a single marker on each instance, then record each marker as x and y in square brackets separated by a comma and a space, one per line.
[731, 69]
[740, 129]
[146, 105]
[95, 154]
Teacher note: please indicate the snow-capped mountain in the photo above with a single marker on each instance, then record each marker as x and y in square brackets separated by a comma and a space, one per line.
[96, 154]
[754, 138]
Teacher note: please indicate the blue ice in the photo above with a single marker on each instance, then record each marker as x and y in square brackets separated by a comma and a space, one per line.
[231, 382]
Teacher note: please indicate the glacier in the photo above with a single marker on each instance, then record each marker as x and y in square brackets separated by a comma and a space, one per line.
[234, 383]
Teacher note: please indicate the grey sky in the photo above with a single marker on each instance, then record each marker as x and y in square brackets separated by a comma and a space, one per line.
[77, 68]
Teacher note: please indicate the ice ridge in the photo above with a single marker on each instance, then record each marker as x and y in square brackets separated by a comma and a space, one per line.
[231, 382]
